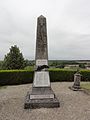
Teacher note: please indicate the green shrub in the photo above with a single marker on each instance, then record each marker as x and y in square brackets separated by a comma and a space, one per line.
[85, 75]
[29, 68]
[59, 75]
[13, 77]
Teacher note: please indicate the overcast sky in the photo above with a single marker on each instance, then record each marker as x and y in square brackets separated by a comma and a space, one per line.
[68, 27]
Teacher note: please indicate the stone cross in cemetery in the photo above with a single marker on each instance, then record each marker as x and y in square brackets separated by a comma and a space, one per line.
[41, 95]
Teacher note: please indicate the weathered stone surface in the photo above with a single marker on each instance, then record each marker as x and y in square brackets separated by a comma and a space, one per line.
[77, 79]
[39, 103]
[41, 97]
[41, 40]
[42, 94]
[41, 79]
[41, 62]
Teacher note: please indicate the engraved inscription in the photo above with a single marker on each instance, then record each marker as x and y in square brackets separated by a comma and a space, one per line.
[42, 96]
[41, 62]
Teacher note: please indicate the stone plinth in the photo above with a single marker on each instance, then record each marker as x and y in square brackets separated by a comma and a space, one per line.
[41, 97]
[41, 103]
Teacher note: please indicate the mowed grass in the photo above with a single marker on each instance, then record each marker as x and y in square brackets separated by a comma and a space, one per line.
[86, 85]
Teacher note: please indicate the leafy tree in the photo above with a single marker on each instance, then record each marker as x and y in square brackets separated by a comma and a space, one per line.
[29, 63]
[60, 66]
[53, 63]
[1, 64]
[82, 65]
[14, 59]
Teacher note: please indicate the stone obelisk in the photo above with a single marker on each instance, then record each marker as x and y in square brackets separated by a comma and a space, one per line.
[41, 95]
[41, 39]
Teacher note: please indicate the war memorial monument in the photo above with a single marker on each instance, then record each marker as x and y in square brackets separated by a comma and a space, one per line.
[42, 94]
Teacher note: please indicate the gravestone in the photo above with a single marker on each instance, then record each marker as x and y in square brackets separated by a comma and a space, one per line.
[41, 95]
[77, 79]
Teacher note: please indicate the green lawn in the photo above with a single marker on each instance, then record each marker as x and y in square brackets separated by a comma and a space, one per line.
[86, 85]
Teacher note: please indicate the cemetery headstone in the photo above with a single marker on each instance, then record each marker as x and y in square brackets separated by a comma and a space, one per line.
[77, 79]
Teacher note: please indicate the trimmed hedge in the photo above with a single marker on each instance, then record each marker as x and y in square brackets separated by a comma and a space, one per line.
[13, 77]
[61, 75]
[85, 75]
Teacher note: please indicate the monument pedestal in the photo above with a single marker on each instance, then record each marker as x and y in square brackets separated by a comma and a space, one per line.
[41, 95]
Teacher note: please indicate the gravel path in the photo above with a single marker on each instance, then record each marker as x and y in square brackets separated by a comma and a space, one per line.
[75, 105]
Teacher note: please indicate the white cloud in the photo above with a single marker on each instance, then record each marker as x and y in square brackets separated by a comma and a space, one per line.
[68, 27]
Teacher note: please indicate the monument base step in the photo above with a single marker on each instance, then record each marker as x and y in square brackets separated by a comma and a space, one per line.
[41, 97]
[75, 88]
